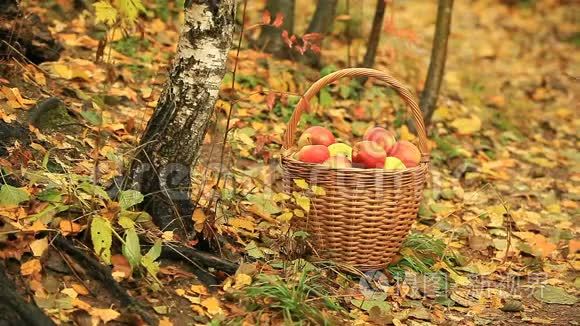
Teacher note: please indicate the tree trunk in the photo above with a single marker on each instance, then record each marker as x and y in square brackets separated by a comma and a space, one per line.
[438, 58]
[320, 23]
[323, 17]
[375, 36]
[270, 39]
[175, 132]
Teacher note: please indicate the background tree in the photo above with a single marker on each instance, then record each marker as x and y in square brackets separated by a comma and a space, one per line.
[321, 23]
[375, 35]
[270, 39]
[170, 144]
[430, 93]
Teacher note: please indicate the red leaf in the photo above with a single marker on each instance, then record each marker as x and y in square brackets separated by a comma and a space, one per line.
[315, 48]
[286, 39]
[271, 100]
[266, 18]
[279, 20]
[300, 49]
[312, 37]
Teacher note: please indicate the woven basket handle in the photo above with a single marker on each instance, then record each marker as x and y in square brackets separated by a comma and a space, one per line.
[402, 91]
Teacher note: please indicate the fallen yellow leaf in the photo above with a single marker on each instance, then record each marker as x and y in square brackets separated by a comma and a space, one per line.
[199, 289]
[106, 315]
[467, 126]
[242, 223]
[242, 280]
[39, 246]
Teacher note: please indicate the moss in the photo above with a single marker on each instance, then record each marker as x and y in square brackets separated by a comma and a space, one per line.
[51, 115]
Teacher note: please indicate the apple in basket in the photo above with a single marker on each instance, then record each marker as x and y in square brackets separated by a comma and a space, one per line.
[393, 163]
[316, 136]
[338, 162]
[368, 154]
[381, 136]
[408, 153]
[313, 154]
[340, 149]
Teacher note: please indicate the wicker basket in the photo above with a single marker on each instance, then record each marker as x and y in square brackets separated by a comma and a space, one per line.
[365, 214]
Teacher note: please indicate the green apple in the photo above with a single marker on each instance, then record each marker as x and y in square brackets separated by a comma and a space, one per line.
[337, 149]
[393, 163]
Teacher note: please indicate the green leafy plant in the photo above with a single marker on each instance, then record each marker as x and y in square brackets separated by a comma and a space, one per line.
[122, 13]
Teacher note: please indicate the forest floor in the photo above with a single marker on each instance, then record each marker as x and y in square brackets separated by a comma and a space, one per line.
[496, 242]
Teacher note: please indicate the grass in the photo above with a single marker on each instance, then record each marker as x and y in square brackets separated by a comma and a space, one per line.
[298, 298]
[420, 253]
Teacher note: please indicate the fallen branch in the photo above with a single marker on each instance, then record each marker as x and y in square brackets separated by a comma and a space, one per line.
[103, 274]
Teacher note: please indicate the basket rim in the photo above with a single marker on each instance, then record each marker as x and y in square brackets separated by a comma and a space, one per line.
[287, 159]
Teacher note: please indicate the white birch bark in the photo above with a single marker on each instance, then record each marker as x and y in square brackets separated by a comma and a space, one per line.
[175, 132]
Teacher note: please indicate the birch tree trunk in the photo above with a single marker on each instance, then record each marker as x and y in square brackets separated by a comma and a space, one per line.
[173, 137]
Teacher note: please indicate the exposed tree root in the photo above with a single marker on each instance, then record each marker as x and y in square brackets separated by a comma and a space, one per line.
[14, 310]
[103, 274]
[200, 261]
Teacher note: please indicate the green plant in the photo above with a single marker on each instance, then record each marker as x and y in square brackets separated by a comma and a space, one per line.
[250, 81]
[447, 148]
[420, 253]
[293, 297]
[121, 13]
[131, 46]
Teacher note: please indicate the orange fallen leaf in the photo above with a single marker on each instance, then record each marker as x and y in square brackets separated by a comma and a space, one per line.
[212, 305]
[80, 289]
[199, 219]
[574, 246]
[78, 303]
[31, 267]
[69, 227]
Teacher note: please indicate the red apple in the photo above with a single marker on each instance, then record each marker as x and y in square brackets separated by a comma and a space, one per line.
[381, 136]
[313, 154]
[368, 154]
[338, 162]
[408, 153]
[316, 136]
